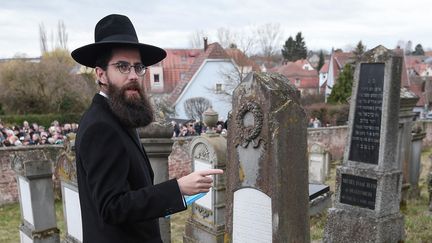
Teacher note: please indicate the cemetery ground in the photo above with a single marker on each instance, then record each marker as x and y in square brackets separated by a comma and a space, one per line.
[418, 219]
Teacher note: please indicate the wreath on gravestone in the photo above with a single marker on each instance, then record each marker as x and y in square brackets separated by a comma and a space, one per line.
[250, 133]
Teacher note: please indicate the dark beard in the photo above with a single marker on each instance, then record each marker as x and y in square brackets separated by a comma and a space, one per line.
[133, 112]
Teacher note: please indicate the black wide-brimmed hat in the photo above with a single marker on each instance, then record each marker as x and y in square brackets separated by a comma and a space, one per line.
[116, 31]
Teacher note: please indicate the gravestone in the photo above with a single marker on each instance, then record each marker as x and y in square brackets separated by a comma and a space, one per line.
[207, 221]
[318, 163]
[368, 184]
[408, 101]
[34, 170]
[66, 170]
[157, 142]
[267, 173]
[415, 162]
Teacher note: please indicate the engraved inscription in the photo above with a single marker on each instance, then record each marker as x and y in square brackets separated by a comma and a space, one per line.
[252, 216]
[358, 191]
[365, 139]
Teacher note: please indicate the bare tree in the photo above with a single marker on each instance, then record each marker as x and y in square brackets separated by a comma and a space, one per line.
[196, 39]
[195, 107]
[226, 37]
[43, 38]
[269, 36]
[62, 36]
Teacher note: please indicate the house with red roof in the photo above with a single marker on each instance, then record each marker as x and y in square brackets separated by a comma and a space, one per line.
[301, 74]
[338, 60]
[208, 77]
[163, 77]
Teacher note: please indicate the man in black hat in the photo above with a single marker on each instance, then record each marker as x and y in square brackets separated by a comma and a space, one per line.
[119, 202]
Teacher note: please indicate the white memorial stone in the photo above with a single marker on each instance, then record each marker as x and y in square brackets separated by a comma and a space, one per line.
[27, 209]
[73, 212]
[252, 216]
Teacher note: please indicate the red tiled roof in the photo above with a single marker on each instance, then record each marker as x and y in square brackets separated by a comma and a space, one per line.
[241, 59]
[176, 62]
[325, 67]
[294, 70]
[214, 51]
[343, 58]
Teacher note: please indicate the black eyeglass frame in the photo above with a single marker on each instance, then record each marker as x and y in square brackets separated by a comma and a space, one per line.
[125, 68]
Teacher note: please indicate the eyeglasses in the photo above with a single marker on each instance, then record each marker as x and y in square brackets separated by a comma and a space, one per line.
[125, 68]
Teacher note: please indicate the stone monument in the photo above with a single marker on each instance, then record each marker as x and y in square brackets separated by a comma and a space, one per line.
[267, 173]
[66, 171]
[208, 151]
[368, 184]
[319, 160]
[34, 169]
[408, 101]
[415, 162]
[156, 140]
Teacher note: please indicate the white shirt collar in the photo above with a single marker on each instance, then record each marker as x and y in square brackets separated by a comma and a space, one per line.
[103, 94]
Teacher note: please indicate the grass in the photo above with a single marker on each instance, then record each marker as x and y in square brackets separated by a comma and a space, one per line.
[418, 219]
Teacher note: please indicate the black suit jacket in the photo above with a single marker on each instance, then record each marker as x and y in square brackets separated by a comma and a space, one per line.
[119, 202]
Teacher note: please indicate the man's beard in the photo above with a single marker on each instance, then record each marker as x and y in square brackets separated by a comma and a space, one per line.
[134, 111]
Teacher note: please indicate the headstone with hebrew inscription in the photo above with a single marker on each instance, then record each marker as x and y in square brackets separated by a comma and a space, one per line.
[368, 184]
[267, 169]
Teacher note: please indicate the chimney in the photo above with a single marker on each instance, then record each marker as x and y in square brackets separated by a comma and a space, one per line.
[205, 43]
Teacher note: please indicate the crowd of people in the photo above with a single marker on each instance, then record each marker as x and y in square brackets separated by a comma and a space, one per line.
[195, 128]
[34, 134]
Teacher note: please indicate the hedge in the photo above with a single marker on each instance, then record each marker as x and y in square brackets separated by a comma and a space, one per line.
[40, 119]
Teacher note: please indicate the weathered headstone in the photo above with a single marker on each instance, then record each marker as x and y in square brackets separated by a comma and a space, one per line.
[415, 162]
[319, 160]
[66, 170]
[207, 222]
[368, 185]
[156, 139]
[34, 169]
[408, 101]
[267, 173]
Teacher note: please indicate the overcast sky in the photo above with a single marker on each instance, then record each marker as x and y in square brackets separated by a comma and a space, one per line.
[170, 23]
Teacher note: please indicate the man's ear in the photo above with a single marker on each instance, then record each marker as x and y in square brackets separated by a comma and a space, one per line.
[100, 76]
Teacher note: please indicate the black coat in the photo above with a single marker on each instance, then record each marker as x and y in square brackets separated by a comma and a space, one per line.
[119, 202]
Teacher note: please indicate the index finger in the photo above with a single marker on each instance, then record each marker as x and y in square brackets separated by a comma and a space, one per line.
[210, 172]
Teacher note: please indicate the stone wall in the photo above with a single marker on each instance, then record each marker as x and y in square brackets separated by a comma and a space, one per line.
[8, 184]
[334, 139]
[179, 162]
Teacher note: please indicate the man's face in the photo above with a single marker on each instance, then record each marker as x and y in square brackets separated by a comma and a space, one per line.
[126, 94]
[131, 82]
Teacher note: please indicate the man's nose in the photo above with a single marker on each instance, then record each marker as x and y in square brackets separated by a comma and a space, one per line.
[132, 74]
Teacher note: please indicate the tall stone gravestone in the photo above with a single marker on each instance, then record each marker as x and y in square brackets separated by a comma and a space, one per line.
[368, 185]
[157, 142]
[66, 170]
[207, 222]
[267, 169]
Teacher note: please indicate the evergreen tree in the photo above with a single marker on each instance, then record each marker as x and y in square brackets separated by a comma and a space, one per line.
[294, 50]
[300, 50]
[320, 61]
[342, 89]
[288, 49]
[359, 50]
[418, 50]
